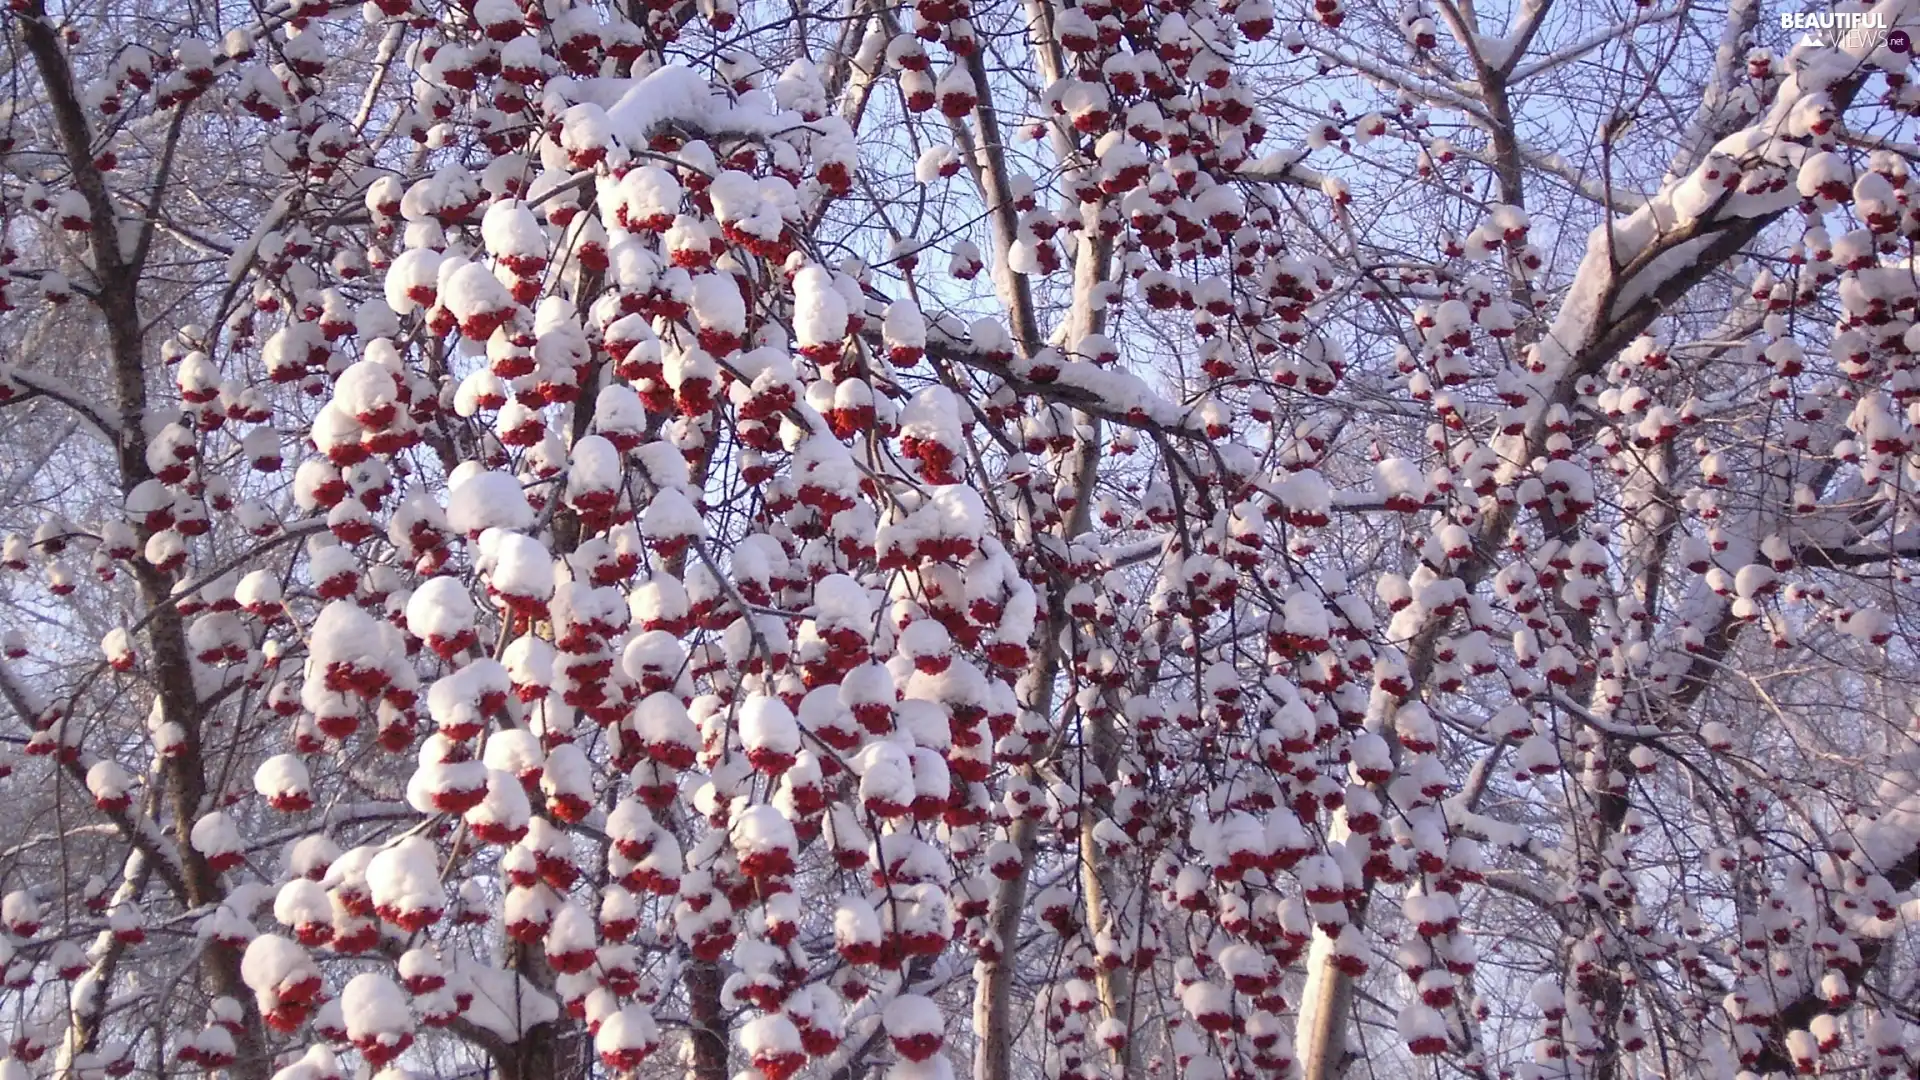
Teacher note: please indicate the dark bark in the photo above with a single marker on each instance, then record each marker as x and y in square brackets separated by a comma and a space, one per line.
[118, 276]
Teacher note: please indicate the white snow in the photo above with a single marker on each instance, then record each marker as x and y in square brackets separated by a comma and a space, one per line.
[487, 500]
[272, 961]
[819, 311]
[671, 516]
[281, 775]
[302, 902]
[440, 608]
[762, 829]
[216, 834]
[406, 877]
[770, 1034]
[661, 718]
[504, 1002]
[911, 1015]
[717, 304]
[374, 1008]
[767, 724]
[630, 1030]
[516, 565]
[679, 95]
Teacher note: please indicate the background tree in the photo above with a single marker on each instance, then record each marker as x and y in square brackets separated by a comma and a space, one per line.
[1042, 540]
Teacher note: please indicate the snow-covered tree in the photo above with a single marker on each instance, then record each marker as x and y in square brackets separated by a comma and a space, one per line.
[1034, 539]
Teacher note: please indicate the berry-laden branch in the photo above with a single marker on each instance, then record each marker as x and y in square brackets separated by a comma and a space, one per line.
[1070, 539]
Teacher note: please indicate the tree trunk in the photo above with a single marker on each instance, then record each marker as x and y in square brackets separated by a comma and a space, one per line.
[117, 273]
[708, 1021]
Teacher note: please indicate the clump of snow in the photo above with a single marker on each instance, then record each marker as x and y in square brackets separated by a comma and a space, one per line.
[487, 500]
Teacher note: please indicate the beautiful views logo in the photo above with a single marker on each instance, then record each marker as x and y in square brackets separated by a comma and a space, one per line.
[1851, 30]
